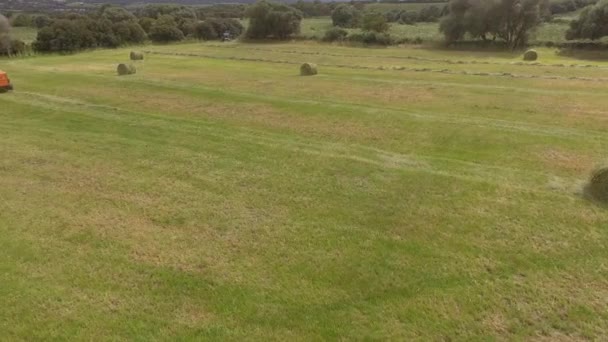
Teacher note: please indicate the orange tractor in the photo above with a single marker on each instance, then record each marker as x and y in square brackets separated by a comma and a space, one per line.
[5, 82]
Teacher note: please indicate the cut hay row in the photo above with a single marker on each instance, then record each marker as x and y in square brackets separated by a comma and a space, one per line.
[399, 68]
[458, 169]
[416, 58]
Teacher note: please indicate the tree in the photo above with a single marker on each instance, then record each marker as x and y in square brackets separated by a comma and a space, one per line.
[41, 21]
[146, 23]
[270, 20]
[374, 22]
[345, 16]
[5, 30]
[591, 24]
[21, 20]
[408, 17]
[64, 36]
[116, 14]
[516, 18]
[508, 20]
[429, 14]
[215, 28]
[205, 31]
[165, 34]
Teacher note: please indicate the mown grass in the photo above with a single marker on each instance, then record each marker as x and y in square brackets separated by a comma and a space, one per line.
[221, 196]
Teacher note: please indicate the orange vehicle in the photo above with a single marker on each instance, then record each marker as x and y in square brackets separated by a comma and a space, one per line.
[5, 82]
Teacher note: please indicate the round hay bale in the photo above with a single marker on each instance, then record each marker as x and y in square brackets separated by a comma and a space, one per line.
[597, 188]
[530, 55]
[137, 56]
[125, 69]
[308, 69]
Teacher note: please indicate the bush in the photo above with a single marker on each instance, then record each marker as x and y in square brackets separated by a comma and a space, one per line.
[371, 38]
[222, 26]
[374, 22]
[78, 32]
[508, 20]
[12, 47]
[335, 34]
[165, 32]
[345, 16]
[530, 55]
[205, 31]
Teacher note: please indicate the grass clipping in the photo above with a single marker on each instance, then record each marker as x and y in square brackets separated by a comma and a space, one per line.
[308, 69]
[597, 188]
[126, 69]
[136, 56]
[530, 55]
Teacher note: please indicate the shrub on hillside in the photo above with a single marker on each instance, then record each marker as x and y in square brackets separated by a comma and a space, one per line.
[335, 34]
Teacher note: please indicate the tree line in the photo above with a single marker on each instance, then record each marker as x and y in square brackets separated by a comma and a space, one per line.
[509, 22]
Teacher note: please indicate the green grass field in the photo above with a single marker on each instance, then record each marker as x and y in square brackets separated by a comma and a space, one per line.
[219, 195]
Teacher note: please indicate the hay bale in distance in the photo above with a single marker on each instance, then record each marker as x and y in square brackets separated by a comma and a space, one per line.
[308, 69]
[530, 55]
[125, 69]
[137, 56]
[597, 188]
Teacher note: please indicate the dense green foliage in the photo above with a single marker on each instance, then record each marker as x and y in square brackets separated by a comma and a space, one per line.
[165, 30]
[216, 28]
[345, 16]
[508, 20]
[592, 23]
[565, 6]
[272, 20]
[429, 13]
[374, 22]
[335, 34]
[109, 27]
[314, 8]
[112, 26]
